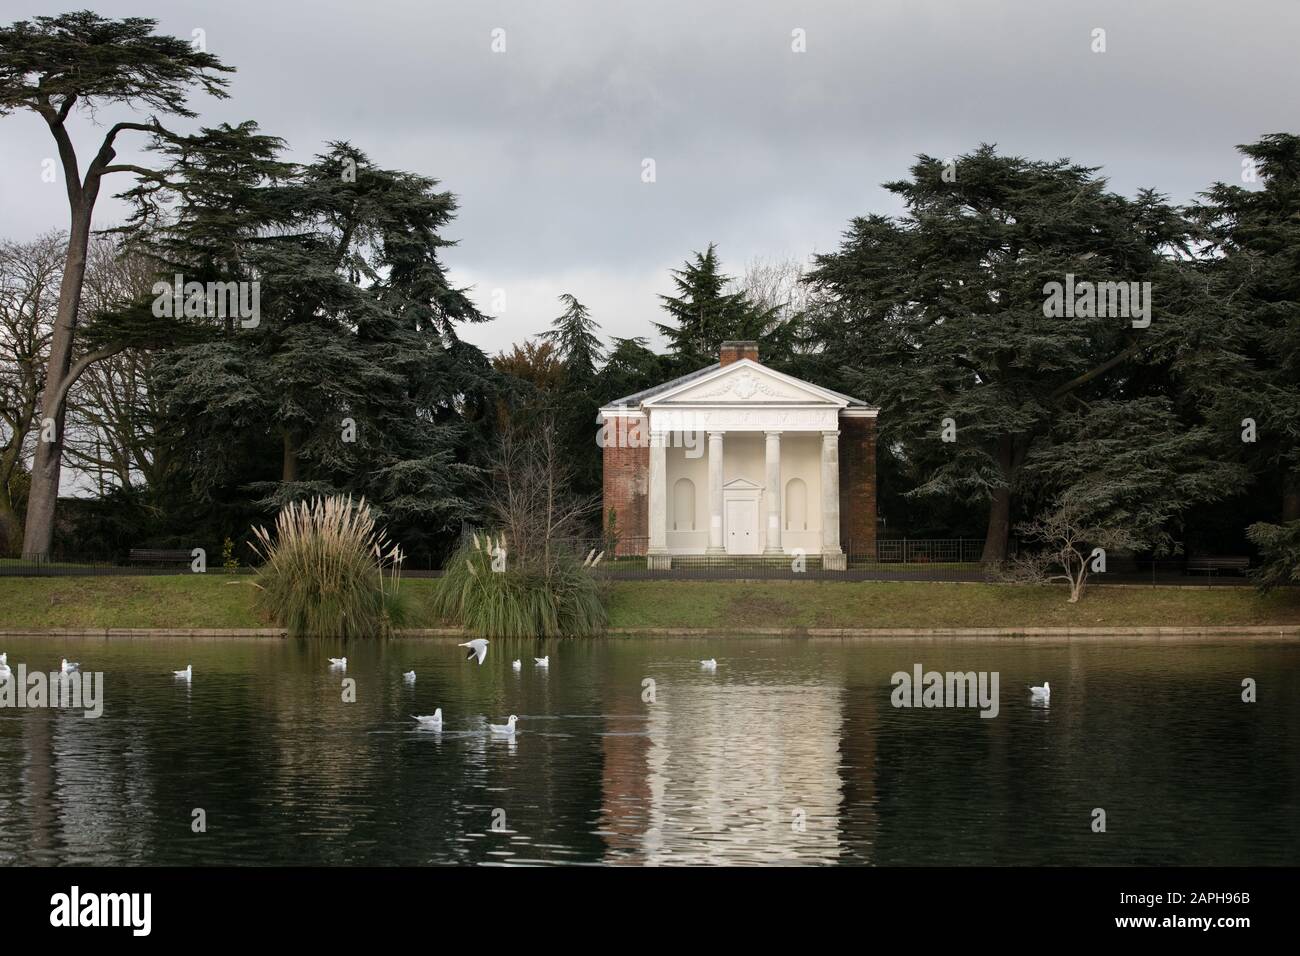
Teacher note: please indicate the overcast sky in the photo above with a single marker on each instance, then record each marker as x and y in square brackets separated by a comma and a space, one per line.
[766, 151]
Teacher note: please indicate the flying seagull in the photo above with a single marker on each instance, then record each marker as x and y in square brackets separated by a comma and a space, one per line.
[409, 676]
[187, 674]
[67, 667]
[339, 662]
[1041, 693]
[477, 648]
[543, 661]
[507, 728]
[433, 720]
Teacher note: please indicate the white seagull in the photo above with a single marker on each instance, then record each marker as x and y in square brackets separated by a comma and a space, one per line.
[710, 665]
[517, 665]
[477, 648]
[433, 720]
[1043, 693]
[187, 674]
[67, 667]
[543, 661]
[507, 728]
[409, 676]
[339, 662]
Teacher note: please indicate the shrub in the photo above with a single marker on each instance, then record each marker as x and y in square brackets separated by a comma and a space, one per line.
[328, 572]
[522, 601]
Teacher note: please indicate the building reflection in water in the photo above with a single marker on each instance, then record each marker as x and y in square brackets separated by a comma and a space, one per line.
[726, 773]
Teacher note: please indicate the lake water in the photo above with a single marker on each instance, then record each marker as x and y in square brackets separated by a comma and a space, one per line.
[789, 752]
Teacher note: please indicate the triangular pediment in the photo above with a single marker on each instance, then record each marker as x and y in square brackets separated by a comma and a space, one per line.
[741, 484]
[747, 383]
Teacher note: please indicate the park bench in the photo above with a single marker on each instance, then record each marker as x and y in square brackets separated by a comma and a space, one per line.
[159, 556]
[1212, 563]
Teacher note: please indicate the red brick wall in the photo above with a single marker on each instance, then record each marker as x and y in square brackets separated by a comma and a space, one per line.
[627, 474]
[858, 485]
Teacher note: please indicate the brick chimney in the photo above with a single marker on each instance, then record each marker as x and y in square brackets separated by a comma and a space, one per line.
[735, 351]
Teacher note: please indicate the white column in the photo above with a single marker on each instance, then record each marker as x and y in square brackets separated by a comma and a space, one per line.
[715, 493]
[658, 494]
[773, 545]
[831, 493]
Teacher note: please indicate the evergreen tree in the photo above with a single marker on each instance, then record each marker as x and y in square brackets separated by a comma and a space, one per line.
[944, 316]
[353, 378]
[574, 335]
[706, 313]
[1253, 264]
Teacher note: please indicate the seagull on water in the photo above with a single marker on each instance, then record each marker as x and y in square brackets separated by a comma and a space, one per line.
[477, 648]
[517, 665]
[543, 661]
[710, 665]
[507, 728]
[187, 674]
[433, 720]
[409, 676]
[67, 667]
[1043, 693]
[339, 662]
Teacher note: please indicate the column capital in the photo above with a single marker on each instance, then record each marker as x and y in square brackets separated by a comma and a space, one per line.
[715, 434]
[831, 433]
[773, 432]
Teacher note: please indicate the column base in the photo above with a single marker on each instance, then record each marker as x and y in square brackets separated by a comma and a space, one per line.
[659, 562]
[835, 562]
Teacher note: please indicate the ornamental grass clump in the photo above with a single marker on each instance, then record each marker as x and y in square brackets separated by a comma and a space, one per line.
[490, 596]
[328, 572]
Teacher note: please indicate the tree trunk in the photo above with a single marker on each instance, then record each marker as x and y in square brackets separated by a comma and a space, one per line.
[999, 527]
[11, 526]
[1291, 497]
[289, 467]
[46, 468]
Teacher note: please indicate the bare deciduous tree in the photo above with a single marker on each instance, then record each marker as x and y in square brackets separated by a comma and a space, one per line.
[30, 273]
[776, 284]
[110, 437]
[1068, 537]
[531, 498]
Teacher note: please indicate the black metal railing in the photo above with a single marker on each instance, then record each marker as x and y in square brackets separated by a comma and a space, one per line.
[884, 559]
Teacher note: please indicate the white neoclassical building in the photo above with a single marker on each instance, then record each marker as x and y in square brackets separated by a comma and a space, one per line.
[739, 459]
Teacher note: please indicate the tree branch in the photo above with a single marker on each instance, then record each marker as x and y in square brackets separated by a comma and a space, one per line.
[1102, 369]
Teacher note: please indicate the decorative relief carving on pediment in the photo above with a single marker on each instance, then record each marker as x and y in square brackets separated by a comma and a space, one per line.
[744, 386]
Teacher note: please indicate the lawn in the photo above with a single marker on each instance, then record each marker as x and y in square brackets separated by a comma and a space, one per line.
[739, 605]
[217, 600]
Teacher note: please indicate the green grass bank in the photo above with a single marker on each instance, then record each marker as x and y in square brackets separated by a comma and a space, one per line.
[221, 601]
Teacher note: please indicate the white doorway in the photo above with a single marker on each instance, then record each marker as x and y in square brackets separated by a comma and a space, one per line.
[740, 501]
[742, 527]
